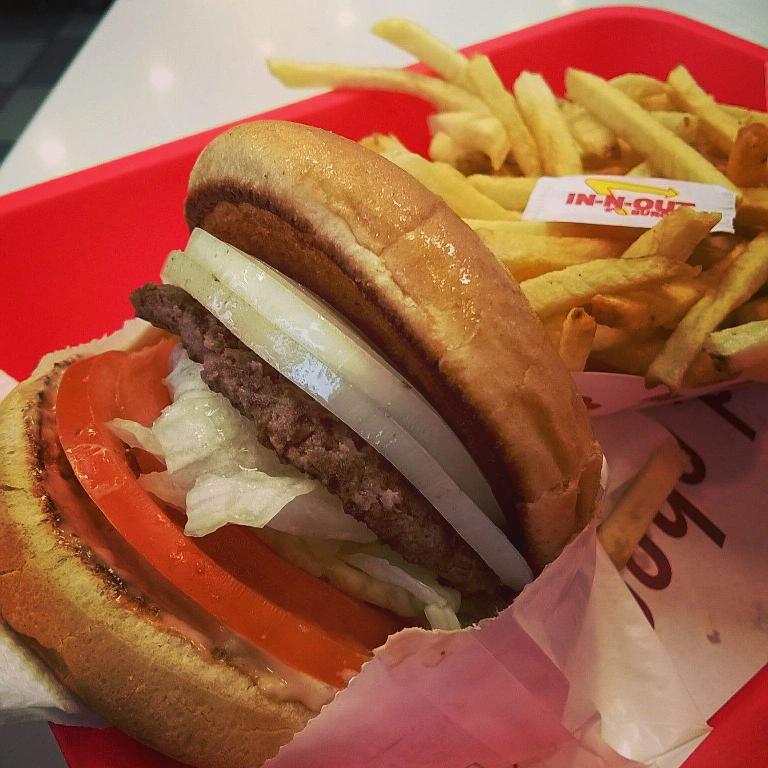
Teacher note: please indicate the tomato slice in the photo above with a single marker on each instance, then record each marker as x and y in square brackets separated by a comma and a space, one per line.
[141, 393]
[233, 575]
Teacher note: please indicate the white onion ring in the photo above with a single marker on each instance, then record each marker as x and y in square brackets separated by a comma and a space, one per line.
[316, 349]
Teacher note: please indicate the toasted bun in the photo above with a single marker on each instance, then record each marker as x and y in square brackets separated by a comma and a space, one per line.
[392, 257]
[102, 643]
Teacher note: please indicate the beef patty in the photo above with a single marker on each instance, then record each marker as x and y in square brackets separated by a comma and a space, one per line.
[313, 440]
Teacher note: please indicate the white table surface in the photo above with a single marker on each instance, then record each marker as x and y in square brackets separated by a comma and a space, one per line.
[155, 71]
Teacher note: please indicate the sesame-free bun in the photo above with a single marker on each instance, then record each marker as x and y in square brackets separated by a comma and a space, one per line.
[391, 256]
[103, 644]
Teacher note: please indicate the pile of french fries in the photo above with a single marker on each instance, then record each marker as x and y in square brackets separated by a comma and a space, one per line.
[676, 304]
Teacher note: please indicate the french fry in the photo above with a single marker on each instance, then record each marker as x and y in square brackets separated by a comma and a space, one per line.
[741, 280]
[483, 79]
[471, 132]
[625, 526]
[663, 304]
[576, 285]
[642, 169]
[622, 311]
[744, 115]
[752, 208]
[510, 168]
[675, 236]
[621, 351]
[666, 303]
[628, 155]
[618, 168]
[444, 149]
[509, 192]
[656, 102]
[558, 150]
[381, 143]
[638, 86]
[721, 127]
[576, 339]
[445, 96]
[413, 38]
[682, 124]
[607, 337]
[741, 350]
[667, 153]
[594, 139]
[714, 249]
[528, 256]
[703, 372]
[757, 309]
[556, 229]
[748, 160]
[471, 163]
[615, 349]
[446, 182]
[712, 277]
[553, 325]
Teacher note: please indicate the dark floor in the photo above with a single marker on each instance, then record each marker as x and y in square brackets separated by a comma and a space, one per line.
[38, 40]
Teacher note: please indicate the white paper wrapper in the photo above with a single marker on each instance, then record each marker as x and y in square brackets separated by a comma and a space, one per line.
[571, 674]
[28, 691]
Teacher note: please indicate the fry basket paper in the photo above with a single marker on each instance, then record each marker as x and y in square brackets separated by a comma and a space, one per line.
[572, 674]
[607, 393]
[569, 675]
[702, 572]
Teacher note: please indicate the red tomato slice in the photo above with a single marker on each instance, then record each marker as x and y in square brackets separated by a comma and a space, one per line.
[141, 393]
[235, 577]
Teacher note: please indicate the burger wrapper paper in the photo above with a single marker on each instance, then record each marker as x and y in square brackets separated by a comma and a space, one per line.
[588, 667]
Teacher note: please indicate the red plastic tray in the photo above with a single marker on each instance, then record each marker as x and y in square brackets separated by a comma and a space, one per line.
[73, 248]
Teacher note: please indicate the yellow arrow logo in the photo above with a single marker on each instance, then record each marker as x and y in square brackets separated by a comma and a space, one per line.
[609, 187]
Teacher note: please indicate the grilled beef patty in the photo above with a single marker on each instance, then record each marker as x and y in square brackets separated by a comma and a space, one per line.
[316, 442]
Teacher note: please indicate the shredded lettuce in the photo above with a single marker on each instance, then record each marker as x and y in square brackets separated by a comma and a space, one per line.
[194, 427]
[319, 514]
[162, 485]
[436, 608]
[381, 568]
[136, 435]
[451, 596]
[254, 498]
[441, 617]
[383, 578]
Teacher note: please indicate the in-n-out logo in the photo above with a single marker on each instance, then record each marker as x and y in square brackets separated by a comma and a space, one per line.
[628, 199]
[625, 201]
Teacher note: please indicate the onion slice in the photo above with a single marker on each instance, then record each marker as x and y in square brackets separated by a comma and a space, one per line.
[317, 350]
[318, 328]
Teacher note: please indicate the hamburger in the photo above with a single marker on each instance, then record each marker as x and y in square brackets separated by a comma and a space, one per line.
[335, 417]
